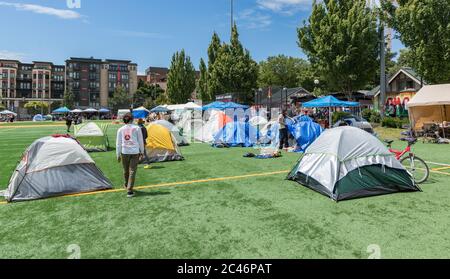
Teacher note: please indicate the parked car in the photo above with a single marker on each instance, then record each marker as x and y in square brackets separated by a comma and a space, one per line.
[355, 121]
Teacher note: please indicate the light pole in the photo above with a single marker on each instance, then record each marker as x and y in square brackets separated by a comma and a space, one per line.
[286, 92]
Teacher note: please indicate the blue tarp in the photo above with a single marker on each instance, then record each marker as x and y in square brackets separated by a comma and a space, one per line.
[61, 110]
[327, 102]
[237, 134]
[305, 131]
[140, 113]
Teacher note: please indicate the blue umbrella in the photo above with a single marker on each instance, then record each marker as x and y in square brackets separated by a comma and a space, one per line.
[61, 110]
[103, 110]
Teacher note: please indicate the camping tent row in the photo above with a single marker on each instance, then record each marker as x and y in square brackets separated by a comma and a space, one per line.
[59, 165]
[430, 105]
[221, 129]
[347, 163]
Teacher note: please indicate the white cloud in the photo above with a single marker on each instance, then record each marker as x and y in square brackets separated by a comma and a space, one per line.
[252, 19]
[10, 55]
[285, 6]
[38, 9]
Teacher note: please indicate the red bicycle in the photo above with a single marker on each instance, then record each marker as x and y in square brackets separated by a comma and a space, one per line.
[416, 166]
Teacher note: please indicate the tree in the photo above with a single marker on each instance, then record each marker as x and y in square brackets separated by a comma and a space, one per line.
[120, 99]
[146, 94]
[424, 27]
[36, 107]
[181, 78]
[69, 98]
[202, 84]
[281, 70]
[213, 49]
[55, 105]
[233, 71]
[341, 42]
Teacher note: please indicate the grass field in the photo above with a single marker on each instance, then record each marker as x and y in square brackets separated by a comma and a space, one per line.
[251, 213]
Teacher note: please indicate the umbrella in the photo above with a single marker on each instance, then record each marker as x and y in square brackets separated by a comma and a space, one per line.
[61, 110]
[329, 102]
[76, 111]
[160, 109]
[103, 110]
[7, 112]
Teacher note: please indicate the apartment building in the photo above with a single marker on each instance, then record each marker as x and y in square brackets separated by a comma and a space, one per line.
[94, 81]
[24, 82]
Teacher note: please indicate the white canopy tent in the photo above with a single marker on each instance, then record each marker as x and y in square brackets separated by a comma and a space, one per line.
[430, 105]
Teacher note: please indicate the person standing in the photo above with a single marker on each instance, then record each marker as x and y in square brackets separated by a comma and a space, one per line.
[141, 124]
[68, 123]
[129, 149]
[284, 138]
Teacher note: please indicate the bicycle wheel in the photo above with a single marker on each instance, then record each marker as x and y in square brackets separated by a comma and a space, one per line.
[417, 167]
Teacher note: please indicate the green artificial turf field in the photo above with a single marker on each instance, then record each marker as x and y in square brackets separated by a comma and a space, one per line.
[261, 216]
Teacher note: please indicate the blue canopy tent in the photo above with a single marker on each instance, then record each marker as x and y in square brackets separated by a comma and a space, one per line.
[329, 102]
[237, 134]
[103, 110]
[159, 109]
[62, 110]
[140, 113]
[305, 131]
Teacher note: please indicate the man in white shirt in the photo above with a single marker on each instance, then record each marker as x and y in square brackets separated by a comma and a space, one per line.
[130, 150]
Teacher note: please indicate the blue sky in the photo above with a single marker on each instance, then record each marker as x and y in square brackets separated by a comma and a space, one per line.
[145, 31]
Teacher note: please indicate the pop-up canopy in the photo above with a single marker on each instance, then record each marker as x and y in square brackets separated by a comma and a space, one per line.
[329, 102]
[430, 105]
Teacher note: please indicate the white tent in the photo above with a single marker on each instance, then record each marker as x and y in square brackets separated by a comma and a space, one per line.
[90, 110]
[55, 166]
[7, 112]
[187, 106]
[347, 162]
[76, 111]
[430, 105]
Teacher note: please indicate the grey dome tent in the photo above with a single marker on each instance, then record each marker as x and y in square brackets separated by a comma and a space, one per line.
[347, 163]
[54, 166]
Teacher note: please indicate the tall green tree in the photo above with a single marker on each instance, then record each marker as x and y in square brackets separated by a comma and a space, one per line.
[233, 71]
[341, 41]
[146, 94]
[120, 99]
[281, 70]
[69, 98]
[424, 27]
[181, 78]
[202, 84]
[213, 49]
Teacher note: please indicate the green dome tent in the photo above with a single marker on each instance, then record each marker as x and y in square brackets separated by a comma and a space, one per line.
[92, 136]
[347, 163]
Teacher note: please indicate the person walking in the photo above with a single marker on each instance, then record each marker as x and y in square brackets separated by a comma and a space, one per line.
[130, 150]
[284, 138]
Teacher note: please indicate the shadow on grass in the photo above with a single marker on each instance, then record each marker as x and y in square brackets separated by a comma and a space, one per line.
[141, 194]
